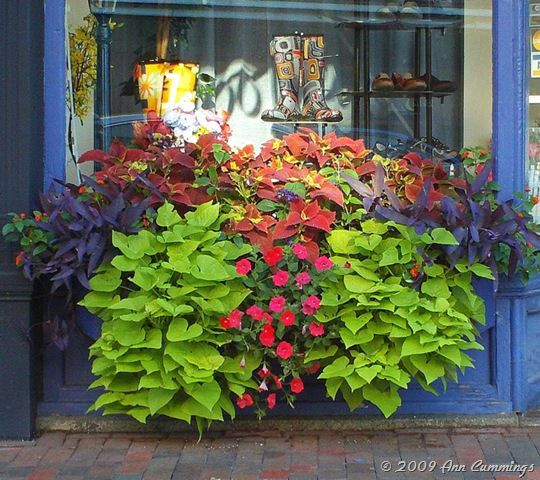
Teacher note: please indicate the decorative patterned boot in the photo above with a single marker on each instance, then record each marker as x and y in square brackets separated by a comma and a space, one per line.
[314, 106]
[287, 59]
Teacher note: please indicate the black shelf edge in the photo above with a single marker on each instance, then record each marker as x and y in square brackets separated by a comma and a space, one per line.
[433, 24]
[395, 93]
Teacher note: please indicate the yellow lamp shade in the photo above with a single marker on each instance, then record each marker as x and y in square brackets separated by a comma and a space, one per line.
[164, 84]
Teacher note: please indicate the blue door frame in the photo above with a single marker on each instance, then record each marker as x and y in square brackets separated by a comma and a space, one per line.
[505, 378]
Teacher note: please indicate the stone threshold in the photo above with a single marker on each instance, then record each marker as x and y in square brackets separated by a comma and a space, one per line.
[123, 424]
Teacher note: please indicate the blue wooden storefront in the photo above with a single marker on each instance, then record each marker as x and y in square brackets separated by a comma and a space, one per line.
[507, 374]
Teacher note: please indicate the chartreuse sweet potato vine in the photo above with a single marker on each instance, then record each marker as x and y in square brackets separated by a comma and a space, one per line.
[160, 300]
[399, 314]
[390, 312]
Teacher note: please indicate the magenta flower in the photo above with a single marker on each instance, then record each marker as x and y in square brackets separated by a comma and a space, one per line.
[323, 263]
[302, 279]
[280, 278]
[300, 251]
[277, 304]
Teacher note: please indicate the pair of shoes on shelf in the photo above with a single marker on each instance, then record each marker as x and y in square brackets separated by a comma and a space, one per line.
[393, 10]
[438, 4]
[408, 83]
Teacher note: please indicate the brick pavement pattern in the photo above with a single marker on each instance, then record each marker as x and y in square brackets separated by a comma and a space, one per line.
[419, 454]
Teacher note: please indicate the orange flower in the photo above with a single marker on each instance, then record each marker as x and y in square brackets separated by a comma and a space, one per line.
[100, 181]
[414, 272]
[82, 189]
[19, 259]
[37, 217]
[535, 200]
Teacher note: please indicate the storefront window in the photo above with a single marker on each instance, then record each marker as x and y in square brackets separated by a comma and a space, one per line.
[396, 74]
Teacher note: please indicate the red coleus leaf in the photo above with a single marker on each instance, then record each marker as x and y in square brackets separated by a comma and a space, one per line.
[264, 242]
[197, 196]
[98, 156]
[283, 230]
[413, 190]
[366, 168]
[329, 191]
[313, 250]
[178, 157]
[296, 144]
[414, 158]
[157, 180]
[117, 149]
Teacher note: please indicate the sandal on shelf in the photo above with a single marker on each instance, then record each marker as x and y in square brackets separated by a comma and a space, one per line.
[438, 85]
[385, 14]
[408, 83]
[410, 10]
[382, 82]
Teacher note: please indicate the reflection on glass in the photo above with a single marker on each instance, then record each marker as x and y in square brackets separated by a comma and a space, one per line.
[400, 78]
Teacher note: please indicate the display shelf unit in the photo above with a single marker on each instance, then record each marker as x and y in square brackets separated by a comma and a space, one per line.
[422, 29]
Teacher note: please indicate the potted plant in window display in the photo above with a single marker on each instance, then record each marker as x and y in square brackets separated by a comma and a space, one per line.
[241, 275]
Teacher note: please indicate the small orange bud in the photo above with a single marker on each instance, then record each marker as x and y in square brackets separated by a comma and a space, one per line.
[19, 259]
[414, 272]
[535, 200]
[82, 189]
[100, 181]
[37, 217]
[22, 215]
[520, 214]
[145, 222]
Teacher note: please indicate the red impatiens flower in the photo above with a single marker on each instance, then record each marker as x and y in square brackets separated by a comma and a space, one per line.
[287, 318]
[244, 401]
[323, 263]
[302, 279]
[273, 256]
[22, 215]
[280, 278]
[284, 350]
[267, 318]
[310, 305]
[300, 251]
[277, 381]
[224, 322]
[243, 267]
[267, 335]
[277, 304]
[297, 386]
[255, 312]
[271, 401]
[316, 329]
[235, 319]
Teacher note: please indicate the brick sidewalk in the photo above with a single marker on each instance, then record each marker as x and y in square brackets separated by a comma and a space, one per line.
[239, 456]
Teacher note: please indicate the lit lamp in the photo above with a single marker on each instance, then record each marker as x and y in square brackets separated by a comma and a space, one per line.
[163, 84]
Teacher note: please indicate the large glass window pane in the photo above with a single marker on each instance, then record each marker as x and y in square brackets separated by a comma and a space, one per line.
[397, 74]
